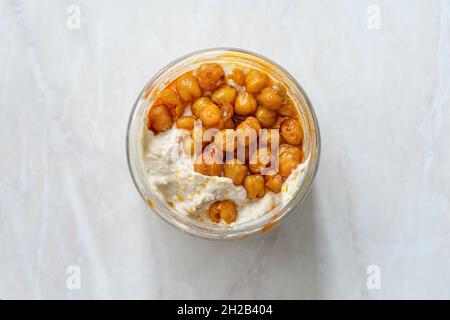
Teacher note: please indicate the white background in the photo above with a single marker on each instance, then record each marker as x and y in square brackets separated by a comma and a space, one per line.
[381, 196]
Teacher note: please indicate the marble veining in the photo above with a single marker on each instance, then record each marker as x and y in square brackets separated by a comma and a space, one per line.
[72, 225]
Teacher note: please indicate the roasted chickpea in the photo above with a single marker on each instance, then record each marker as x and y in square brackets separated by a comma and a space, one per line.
[245, 104]
[255, 81]
[287, 109]
[238, 76]
[210, 164]
[248, 131]
[289, 158]
[228, 211]
[225, 140]
[274, 182]
[226, 110]
[224, 94]
[210, 76]
[236, 171]
[279, 89]
[198, 105]
[224, 209]
[186, 122]
[254, 185]
[188, 88]
[159, 119]
[291, 130]
[210, 115]
[259, 159]
[266, 117]
[170, 99]
[270, 99]
[229, 124]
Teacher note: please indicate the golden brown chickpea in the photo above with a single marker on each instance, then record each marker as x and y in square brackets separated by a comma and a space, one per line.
[279, 89]
[287, 109]
[188, 88]
[274, 182]
[289, 158]
[210, 115]
[159, 119]
[224, 209]
[227, 111]
[238, 76]
[255, 81]
[228, 211]
[245, 104]
[170, 99]
[270, 99]
[225, 140]
[248, 131]
[229, 124]
[210, 164]
[254, 185]
[186, 122]
[210, 76]
[214, 212]
[198, 105]
[291, 130]
[259, 159]
[224, 94]
[266, 117]
[236, 171]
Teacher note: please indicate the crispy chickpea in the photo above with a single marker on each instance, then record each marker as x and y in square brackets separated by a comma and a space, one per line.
[270, 99]
[229, 124]
[159, 119]
[248, 131]
[266, 137]
[254, 185]
[214, 212]
[224, 209]
[186, 122]
[228, 211]
[287, 109]
[238, 76]
[188, 88]
[266, 117]
[279, 89]
[209, 165]
[170, 99]
[259, 159]
[226, 110]
[210, 76]
[274, 182]
[255, 81]
[198, 105]
[225, 140]
[210, 115]
[245, 104]
[289, 158]
[291, 130]
[236, 171]
[224, 94]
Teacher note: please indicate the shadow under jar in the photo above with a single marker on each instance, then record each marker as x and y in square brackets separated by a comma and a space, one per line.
[137, 127]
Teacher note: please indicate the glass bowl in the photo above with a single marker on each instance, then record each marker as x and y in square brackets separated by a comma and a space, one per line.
[136, 125]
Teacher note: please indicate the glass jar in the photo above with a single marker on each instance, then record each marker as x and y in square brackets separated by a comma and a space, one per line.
[136, 125]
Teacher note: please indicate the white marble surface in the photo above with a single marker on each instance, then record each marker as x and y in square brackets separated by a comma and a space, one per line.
[381, 196]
